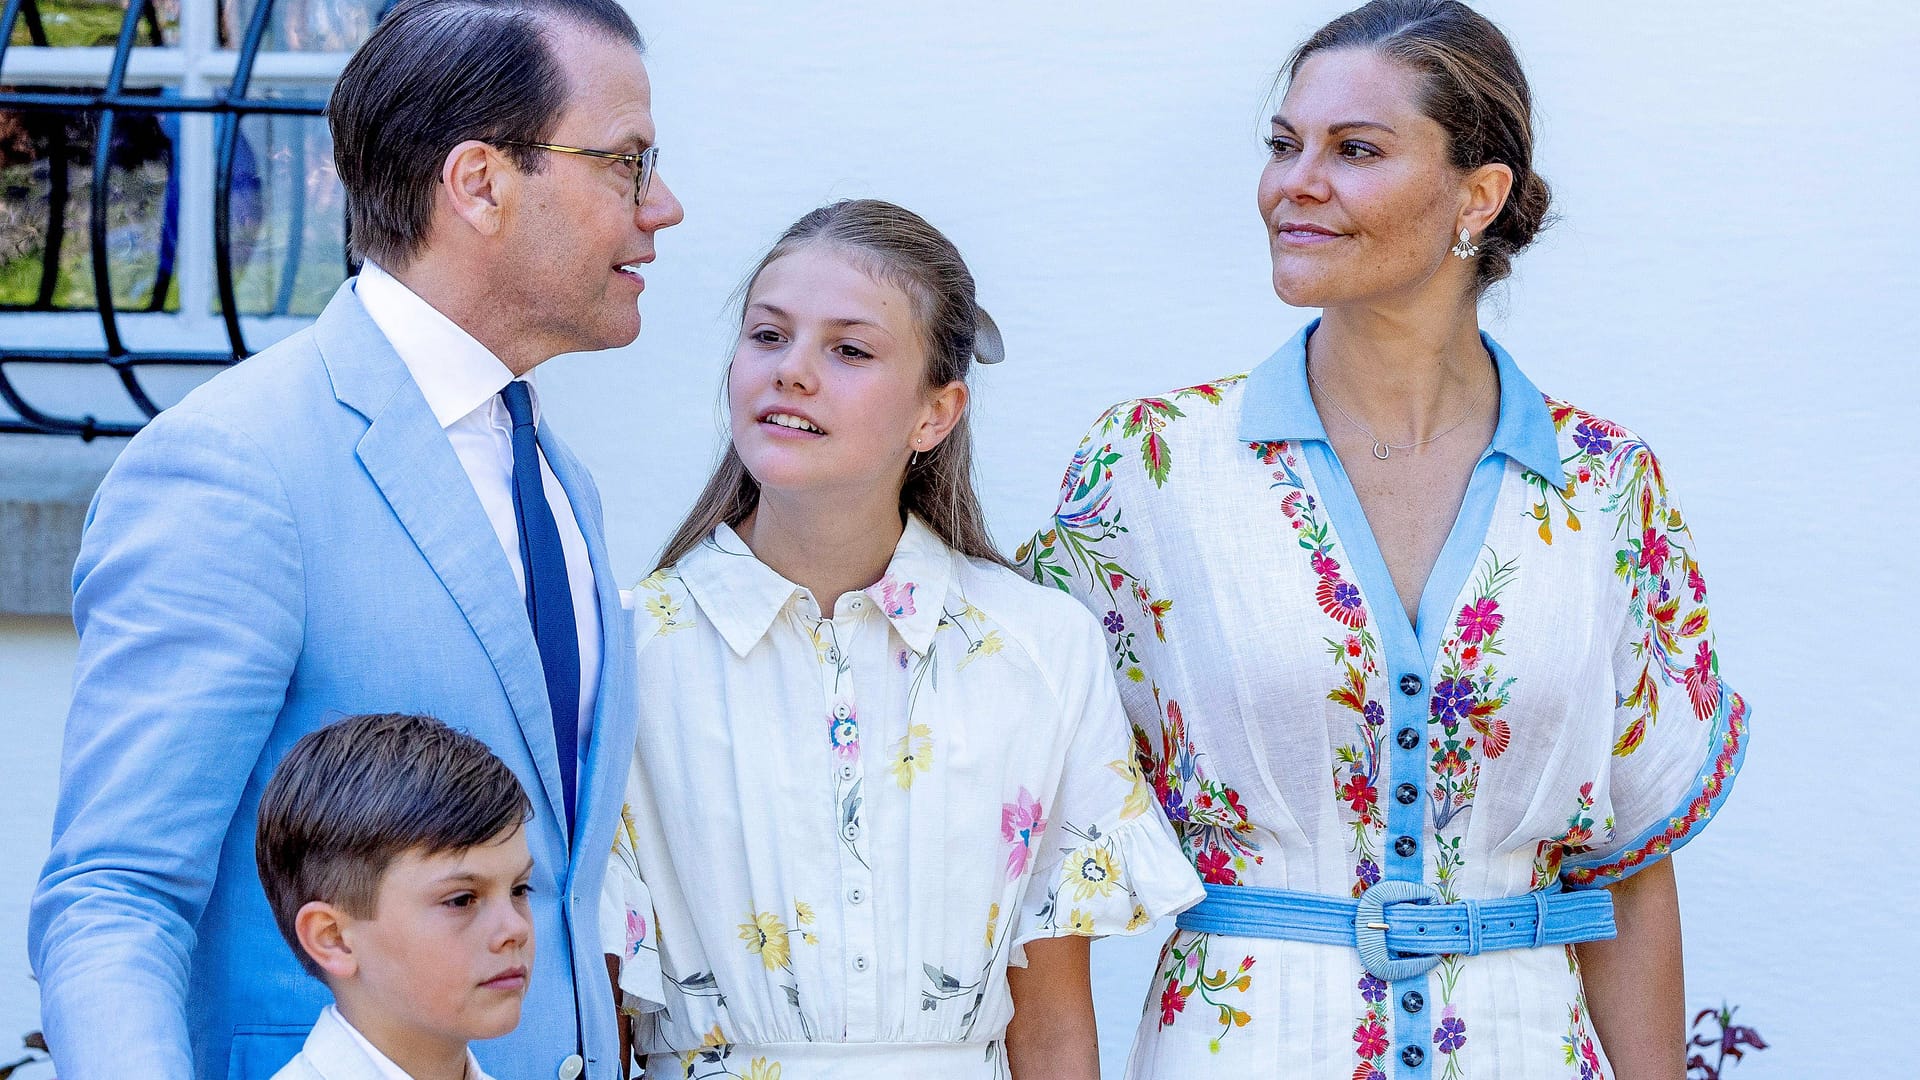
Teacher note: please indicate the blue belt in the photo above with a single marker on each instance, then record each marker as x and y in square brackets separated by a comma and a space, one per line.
[1399, 927]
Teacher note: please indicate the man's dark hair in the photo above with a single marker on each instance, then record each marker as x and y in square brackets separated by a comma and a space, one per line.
[351, 797]
[432, 75]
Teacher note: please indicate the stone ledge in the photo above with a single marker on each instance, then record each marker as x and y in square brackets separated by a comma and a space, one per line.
[46, 482]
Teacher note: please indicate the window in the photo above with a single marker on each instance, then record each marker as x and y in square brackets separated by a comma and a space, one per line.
[168, 203]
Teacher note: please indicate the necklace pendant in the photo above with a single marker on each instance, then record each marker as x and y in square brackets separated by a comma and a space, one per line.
[1380, 450]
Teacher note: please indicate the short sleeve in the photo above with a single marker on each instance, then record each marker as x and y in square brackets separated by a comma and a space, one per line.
[628, 926]
[1107, 862]
[1680, 731]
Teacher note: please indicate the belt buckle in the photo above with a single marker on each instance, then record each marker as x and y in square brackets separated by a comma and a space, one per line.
[1370, 930]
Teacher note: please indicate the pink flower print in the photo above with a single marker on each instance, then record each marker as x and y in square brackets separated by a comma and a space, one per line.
[1324, 566]
[1372, 1037]
[1021, 822]
[636, 932]
[896, 597]
[1480, 619]
[1654, 550]
[843, 731]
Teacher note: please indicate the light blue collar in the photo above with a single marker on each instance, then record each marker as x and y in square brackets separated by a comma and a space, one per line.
[1278, 405]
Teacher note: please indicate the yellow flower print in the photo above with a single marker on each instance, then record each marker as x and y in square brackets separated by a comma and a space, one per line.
[993, 923]
[1091, 873]
[986, 646]
[1139, 918]
[661, 605]
[803, 913]
[713, 1040]
[766, 936]
[1141, 796]
[1134, 674]
[968, 611]
[762, 1069]
[1080, 922]
[913, 751]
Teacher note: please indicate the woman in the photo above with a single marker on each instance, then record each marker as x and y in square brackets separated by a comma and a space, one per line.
[883, 791]
[1418, 658]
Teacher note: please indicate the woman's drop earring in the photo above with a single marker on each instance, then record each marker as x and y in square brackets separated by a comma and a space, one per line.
[1465, 248]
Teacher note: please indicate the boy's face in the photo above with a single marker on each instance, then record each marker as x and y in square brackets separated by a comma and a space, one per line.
[447, 954]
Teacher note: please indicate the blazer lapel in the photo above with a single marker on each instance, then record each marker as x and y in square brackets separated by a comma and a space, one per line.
[409, 458]
[614, 720]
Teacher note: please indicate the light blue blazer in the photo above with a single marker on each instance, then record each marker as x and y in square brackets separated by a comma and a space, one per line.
[293, 543]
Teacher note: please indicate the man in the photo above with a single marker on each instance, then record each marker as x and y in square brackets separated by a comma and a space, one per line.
[369, 516]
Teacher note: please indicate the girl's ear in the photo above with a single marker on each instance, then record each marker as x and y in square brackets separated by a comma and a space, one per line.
[943, 410]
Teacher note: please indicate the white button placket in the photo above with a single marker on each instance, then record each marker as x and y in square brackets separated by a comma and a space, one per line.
[837, 636]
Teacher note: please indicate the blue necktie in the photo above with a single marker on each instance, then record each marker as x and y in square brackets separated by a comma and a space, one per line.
[549, 593]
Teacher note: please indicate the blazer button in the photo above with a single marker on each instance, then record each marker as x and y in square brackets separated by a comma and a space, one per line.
[1410, 684]
[1405, 846]
[1413, 1056]
[1407, 738]
[1406, 793]
[1412, 1001]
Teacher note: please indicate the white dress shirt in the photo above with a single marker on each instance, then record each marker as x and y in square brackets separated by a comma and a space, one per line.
[335, 1050]
[461, 381]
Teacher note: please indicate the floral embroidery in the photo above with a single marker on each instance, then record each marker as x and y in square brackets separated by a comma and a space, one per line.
[914, 752]
[1150, 416]
[1183, 966]
[1578, 1042]
[1577, 839]
[1355, 652]
[1020, 823]
[1208, 816]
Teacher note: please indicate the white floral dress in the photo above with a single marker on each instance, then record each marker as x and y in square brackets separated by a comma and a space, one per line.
[841, 831]
[1555, 717]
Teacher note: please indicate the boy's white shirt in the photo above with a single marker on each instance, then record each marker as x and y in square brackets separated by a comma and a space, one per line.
[335, 1050]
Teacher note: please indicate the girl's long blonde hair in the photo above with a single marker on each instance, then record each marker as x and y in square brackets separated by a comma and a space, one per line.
[900, 247]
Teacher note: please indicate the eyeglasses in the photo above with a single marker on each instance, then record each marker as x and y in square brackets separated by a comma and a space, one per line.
[642, 163]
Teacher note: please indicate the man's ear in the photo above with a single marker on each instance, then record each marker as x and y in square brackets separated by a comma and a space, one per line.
[477, 183]
[321, 928]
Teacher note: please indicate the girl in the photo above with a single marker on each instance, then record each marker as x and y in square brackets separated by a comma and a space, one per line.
[883, 791]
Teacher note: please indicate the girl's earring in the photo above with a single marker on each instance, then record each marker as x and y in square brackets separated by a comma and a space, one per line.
[1465, 248]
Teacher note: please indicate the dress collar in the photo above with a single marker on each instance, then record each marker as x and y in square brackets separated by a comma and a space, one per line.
[1278, 405]
[742, 596]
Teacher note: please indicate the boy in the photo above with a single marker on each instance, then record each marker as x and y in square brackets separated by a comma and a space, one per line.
[392, 852]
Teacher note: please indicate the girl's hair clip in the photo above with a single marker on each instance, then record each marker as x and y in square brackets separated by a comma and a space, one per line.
[988, 347]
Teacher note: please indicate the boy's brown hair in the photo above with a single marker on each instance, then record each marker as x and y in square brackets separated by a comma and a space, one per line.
[352, 796]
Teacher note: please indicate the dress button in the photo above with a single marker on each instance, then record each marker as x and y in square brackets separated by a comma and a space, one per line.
[1410, 684]
[860, 963]
[857, 604]
[833, 654]
[1413, 1056]
[851, 832]
[1407, 738]
[1406, 793]
[841, 711]
[572, 1067]
[856, 895]
[846, 772]
[1412, 1001]
[1405, 846]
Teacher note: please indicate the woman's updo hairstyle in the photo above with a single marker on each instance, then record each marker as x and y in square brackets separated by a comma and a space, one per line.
[1475, 90]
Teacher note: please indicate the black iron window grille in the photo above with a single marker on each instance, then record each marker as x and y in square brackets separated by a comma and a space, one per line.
[167, 197]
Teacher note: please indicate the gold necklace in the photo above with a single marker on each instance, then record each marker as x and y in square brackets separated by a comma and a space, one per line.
[1381, 447]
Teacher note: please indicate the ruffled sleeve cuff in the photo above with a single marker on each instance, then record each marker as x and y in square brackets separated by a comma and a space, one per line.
[628, 931]
[1117, 883]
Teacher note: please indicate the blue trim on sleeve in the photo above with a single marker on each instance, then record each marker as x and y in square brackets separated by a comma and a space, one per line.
[1731, 721]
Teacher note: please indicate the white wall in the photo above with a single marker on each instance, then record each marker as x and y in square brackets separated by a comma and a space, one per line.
[1733, 276]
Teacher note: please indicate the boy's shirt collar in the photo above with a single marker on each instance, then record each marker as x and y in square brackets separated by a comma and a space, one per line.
[383, 1066]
